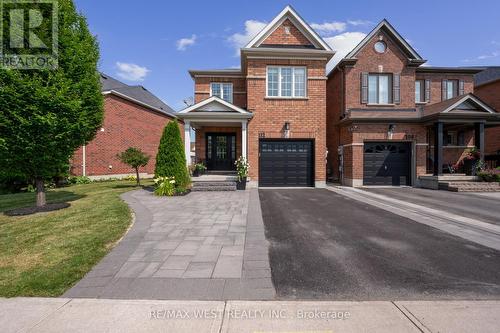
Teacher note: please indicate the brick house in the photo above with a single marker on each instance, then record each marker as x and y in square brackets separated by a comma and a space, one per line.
[393, 121]
[271, 111]
[133, 117]
[487, 87]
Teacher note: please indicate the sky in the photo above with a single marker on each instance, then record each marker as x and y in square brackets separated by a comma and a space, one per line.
[154, 43]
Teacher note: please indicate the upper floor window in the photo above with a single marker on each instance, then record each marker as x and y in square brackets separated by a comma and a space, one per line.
[451, 88]
[379, 89]
[222, 90]
[288, 82]
[420, 91]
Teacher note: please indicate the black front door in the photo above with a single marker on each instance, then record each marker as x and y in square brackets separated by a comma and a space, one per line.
[221, 151]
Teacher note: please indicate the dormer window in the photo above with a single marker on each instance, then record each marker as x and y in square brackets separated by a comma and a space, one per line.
[222, 90]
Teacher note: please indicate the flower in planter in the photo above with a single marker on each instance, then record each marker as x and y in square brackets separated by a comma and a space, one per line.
[242, 168]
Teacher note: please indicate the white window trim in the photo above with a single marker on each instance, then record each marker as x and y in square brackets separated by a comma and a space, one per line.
[293, 82]
[422, 91]
[390, 89]
[221, 90]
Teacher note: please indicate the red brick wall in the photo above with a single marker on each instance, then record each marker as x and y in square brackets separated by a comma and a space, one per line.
[392, 61]
[436, 83]
[279, 36]
[201, 144]
[202, 89]
[490, 94]
[334, 96]
[307, 117]
[125, 125]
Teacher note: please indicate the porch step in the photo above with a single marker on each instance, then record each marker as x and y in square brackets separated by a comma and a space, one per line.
[469, 186]
[201, 186]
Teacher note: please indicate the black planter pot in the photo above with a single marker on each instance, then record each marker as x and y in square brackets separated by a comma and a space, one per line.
[470, 167]
[241, 184]
[196, 173]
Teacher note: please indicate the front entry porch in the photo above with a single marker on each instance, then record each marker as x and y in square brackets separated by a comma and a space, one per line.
[220, 132]
[457, 144]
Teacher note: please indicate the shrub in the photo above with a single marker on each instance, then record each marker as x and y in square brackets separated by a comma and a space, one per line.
[135, 158]
[171, 160]
[489, 175]
[165, 186]
[80, 180]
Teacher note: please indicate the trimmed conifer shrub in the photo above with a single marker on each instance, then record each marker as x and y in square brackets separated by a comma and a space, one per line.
[171, 159]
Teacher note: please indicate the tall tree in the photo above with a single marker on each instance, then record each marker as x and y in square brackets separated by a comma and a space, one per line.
[171, 159]
[136, 158]
[47, 114]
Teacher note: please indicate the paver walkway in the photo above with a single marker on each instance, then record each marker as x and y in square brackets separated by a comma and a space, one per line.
[203, 246]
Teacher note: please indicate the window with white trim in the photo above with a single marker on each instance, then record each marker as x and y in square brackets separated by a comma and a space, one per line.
[222, 90]
[287, 82]
[379, 88]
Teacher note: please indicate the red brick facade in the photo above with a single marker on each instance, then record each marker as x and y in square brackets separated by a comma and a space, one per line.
[126, 124]
[490, 93]
[286, 34]
[306, 116]
[344, 95]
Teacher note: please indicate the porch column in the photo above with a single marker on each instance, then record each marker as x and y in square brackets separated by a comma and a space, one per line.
[244, 139]
[187, 142]
[438, 148]
[479, 138]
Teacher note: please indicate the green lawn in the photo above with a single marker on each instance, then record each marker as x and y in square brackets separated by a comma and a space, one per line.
[44, 254]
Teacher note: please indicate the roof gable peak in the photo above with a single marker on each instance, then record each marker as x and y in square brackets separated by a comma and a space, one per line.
[385, 26]
[291, 14]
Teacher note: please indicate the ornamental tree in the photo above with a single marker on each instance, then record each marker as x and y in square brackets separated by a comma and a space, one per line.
[47, 114]
[135, 158]
[171, 159]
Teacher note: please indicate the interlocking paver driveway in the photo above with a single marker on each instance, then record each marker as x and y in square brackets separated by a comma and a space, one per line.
[206, 245]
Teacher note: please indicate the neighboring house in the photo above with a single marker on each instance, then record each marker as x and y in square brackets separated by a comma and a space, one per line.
[133, 117]
[391, 120]
[487, 87]
[271, 111]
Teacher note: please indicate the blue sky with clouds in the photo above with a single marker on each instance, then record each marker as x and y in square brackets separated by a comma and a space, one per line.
[154, 43]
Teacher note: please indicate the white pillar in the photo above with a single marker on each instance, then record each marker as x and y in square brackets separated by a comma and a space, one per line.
[244, 139]
[84, 161]
[187, 142]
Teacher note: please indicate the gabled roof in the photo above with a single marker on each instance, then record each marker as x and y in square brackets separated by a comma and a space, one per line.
[389, 29]
[215, 106]
[488, 75]
[137, 94]
[289, 13]
[463, 104]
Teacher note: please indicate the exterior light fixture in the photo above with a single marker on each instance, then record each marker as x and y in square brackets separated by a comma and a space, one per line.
[390, 130]
[286, 129]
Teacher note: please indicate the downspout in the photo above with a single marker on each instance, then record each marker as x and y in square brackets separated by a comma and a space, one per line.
[84, 161]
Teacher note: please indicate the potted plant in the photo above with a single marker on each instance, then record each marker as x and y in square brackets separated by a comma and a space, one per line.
[470, 160]
[199, 169]
[242, 167]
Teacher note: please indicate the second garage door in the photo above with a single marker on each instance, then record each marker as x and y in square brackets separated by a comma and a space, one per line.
[386, 163]
[286, 163]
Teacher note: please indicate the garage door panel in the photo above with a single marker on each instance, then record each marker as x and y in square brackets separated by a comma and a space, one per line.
[387, 163]
[286, 163]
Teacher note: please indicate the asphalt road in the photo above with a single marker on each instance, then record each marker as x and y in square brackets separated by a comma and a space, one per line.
[484, 208]
[326, 246]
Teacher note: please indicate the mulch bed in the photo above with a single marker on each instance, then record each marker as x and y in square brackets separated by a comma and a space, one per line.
[152, 189]
[33, 209]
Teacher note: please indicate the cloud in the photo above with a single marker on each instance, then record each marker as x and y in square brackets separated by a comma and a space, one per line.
[342, 44]
[359, 22]
[131, 72]
[184, 43]
[252, 28]
[490, 55]
[328, 27]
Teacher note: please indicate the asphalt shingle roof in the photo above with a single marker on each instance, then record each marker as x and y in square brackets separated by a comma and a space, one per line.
[136, 92]
[488, 75]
